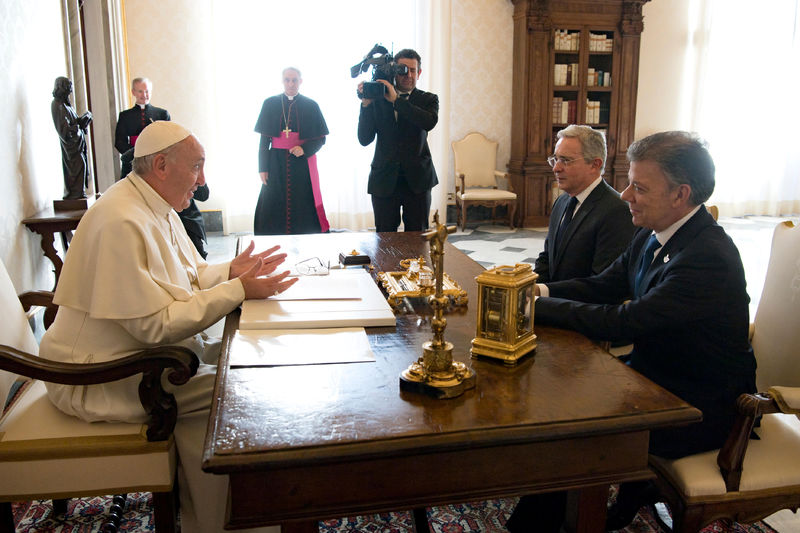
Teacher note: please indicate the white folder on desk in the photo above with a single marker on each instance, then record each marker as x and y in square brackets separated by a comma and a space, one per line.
[276, 347]
[368, 308]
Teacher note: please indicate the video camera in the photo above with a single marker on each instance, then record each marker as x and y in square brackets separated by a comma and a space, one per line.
[383, 68]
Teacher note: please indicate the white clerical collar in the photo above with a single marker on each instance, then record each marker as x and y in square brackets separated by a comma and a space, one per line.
[290, 97]
[142, 105]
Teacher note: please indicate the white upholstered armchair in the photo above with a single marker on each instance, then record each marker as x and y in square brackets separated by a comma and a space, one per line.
[46, 454]
[477, 178]
[749, 479]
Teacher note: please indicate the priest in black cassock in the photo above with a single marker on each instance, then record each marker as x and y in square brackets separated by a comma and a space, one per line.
[292, 130]
[131, 122]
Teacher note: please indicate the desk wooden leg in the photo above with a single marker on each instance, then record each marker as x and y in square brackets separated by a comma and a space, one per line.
[420, 515]
[305, 526]
[51, 253]
[586, 510]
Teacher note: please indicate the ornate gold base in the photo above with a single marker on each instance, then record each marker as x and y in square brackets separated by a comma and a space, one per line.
[436, 374]
[509, 355]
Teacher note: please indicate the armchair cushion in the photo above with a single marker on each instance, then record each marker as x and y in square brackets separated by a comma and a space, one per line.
[487, 194]
[14, 330]
[773, 461]
[45, 453]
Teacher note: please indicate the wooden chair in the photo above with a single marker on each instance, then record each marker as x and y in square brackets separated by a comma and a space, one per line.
[46, 454]
[749, 479]
[476, 178]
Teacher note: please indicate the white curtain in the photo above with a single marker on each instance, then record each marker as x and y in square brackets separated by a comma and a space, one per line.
[748, 77]
[254, 40]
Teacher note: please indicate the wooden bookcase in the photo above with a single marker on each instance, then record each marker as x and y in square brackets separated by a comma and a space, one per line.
[538, 48]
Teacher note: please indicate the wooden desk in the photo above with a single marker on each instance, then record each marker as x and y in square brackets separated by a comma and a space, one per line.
[49, 222]
[312, 442]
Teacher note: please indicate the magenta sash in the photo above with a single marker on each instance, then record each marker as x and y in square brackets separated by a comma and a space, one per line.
[284, 143]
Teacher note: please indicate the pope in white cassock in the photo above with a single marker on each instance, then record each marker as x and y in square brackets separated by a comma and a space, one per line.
[132, 279]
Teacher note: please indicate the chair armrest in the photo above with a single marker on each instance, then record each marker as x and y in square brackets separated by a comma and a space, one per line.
[42, 299]
[731, 456]
[460, 177]
[180, 364]
[499, 175]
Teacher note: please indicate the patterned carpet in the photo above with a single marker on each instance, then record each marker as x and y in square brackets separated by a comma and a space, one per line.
[86, 516]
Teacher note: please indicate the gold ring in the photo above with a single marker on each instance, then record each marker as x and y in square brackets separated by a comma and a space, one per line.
[277, 293]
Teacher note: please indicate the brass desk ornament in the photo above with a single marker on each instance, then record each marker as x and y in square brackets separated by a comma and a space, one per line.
[505, 313]
[435, 373]
[417, 281]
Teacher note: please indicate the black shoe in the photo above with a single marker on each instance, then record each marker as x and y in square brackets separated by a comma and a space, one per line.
[619, 517]
[631, 498]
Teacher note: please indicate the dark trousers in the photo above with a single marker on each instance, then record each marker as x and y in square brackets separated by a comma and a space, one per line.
[415, 209]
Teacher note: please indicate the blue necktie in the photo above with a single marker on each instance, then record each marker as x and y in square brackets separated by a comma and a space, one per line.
[647, 258]
[567, 219]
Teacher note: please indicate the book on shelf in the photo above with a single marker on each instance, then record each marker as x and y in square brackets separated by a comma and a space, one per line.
[564, 111]
[557, 103]
[598, 78]
[592, 111]
[565, 74]
[567, 41]
[600, 42]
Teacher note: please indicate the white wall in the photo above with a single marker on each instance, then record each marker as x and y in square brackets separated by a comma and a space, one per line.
[32, 56]
[663, 62]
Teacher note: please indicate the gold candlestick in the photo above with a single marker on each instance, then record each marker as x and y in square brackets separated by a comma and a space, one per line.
[435, 373]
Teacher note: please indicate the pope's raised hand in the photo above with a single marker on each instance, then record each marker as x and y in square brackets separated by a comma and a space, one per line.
[247, 259]
[259, 287]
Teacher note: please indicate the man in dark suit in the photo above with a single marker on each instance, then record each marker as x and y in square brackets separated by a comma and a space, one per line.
[131, 122]
[402, 173]
[589, 225]
[688, 310]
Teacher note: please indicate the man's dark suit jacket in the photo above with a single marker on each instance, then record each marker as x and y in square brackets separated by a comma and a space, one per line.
[689, 327]
[129, 123]
[402, 144]
[599, 232]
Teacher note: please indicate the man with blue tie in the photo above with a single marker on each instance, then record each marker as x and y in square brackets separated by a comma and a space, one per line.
[678, 291]
[589, 225]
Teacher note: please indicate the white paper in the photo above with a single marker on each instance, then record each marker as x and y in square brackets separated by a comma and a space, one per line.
[369, 309]
[330, 287]
[300, 347]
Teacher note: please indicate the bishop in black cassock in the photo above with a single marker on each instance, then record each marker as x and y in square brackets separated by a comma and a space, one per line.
[290, 200]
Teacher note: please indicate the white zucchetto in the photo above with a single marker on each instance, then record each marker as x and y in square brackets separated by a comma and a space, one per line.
[159, 135]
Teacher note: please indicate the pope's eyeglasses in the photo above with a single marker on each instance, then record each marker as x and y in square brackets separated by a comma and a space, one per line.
[313, 266]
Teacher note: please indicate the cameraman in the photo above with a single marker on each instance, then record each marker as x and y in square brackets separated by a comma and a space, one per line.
[402, 174]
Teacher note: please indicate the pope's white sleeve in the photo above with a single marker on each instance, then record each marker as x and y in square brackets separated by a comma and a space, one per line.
[180, 320]
[209, 275]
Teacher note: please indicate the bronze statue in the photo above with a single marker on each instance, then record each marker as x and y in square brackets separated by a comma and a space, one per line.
[71, 130]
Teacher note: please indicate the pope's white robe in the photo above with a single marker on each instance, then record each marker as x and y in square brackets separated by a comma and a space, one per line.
[131, 280]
